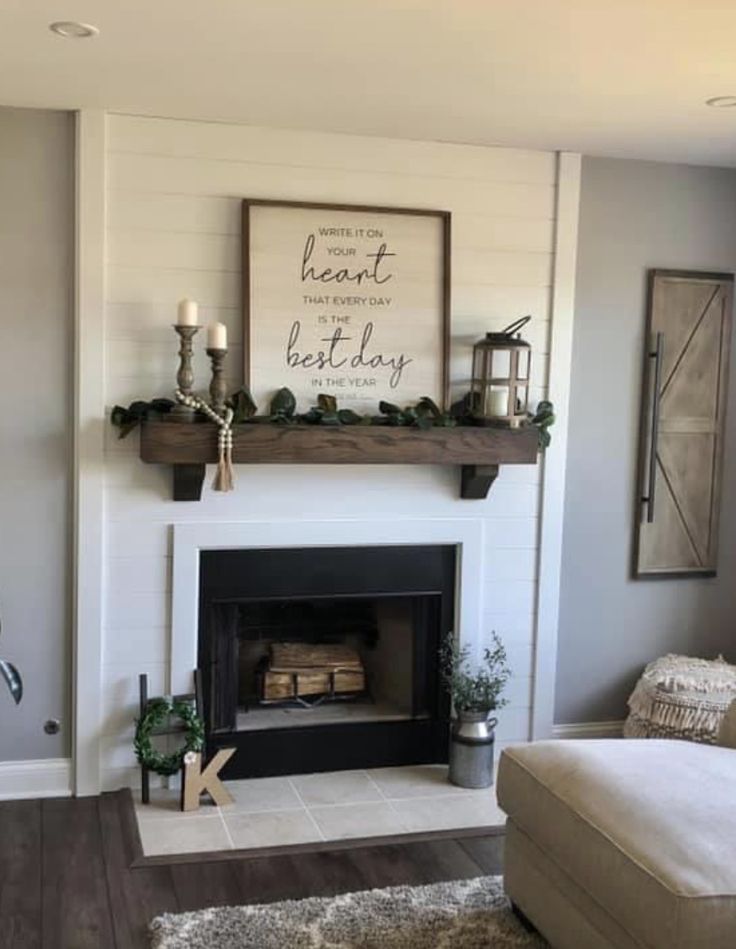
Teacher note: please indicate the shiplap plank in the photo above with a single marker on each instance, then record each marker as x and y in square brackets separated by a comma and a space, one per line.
[124, 389]
[509, 501]
[510, 564]
[474, 310]
[216, 253]
[156, 364]
[188, 213]
[203, 176]
[150, 325]
[493, 231]
[135, 248]
[494, 268]
[131, 210]
[227, 142]
[152, 322]
[142, 574]
[159, 360]
[223, 289]
[160, 285]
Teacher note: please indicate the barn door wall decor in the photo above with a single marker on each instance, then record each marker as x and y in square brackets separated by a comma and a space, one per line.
[682, 427]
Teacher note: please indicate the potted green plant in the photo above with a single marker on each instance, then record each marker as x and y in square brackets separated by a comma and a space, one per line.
[476, 692]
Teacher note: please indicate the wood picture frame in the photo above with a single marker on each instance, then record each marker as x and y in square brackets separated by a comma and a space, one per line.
[346, 300]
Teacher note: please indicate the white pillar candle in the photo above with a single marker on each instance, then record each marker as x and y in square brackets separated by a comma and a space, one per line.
[217, 336]
[187, 313]
[499, 401]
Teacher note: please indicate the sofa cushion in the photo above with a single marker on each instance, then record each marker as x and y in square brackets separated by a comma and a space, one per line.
[647, 828]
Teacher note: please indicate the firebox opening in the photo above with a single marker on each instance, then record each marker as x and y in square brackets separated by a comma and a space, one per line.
[327, 660]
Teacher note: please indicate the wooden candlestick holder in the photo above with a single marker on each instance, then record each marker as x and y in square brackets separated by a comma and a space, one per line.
[185, 375]
[218, 388]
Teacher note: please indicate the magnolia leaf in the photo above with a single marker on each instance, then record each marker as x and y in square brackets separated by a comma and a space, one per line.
[312, 417]
[283, 403]
[445, 421]
[423, 422]
[329, 418]
[388, 408]
[348, 417]
[128, 419]
[243, 405]
[427, 406]
[328, 403]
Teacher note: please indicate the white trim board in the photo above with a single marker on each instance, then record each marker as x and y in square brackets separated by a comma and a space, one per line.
[89, 422]
[189, 539]
[552, 508]
[47, 777]
[589, 730]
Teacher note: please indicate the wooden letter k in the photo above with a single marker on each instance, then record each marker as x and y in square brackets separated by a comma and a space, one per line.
[197, 781]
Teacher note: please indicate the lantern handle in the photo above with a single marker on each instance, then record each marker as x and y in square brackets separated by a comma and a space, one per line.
[516, 326]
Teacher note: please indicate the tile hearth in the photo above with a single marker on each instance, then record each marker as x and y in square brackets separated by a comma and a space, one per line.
[316, 808]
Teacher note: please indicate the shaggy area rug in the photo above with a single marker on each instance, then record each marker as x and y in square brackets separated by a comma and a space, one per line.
[463, 914]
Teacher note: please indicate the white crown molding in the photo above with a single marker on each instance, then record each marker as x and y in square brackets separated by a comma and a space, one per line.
[48, 777]
[589, 730]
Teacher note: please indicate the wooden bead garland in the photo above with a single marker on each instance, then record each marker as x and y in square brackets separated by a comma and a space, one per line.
[223, 480]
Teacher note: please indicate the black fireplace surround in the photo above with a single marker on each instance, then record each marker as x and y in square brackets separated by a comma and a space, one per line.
[241, 589]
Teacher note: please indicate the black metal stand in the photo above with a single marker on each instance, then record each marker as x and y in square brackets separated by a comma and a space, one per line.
[145, 700]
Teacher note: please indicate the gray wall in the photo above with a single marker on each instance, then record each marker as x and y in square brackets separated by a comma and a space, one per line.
[634, 215]
[36, 284]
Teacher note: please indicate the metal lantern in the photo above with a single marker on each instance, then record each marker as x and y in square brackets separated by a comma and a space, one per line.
[500, 383]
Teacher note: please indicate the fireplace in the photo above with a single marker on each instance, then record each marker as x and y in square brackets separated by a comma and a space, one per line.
[325, 658]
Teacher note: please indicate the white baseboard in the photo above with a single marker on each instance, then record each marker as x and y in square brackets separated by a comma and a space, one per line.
[48, 777]
[589, 730]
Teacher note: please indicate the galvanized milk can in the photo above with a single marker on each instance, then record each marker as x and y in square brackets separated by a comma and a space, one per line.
[471, 749]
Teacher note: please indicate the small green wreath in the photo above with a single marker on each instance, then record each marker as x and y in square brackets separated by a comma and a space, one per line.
[156, 715]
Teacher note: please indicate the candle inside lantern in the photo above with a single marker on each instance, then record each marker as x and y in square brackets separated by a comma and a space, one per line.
[187, 313]
[217, 336]
[498, 401]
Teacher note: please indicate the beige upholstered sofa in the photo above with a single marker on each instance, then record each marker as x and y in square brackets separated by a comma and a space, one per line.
[622, 843]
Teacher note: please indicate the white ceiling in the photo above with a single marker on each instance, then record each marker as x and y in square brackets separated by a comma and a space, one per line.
[625, 78]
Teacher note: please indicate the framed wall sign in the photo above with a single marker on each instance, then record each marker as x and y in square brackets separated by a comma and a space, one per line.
[346, 300]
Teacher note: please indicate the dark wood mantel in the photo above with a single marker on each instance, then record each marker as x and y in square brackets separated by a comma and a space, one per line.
[479, 451]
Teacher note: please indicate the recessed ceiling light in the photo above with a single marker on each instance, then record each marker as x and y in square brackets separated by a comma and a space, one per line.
[721, 102]
[72, 30]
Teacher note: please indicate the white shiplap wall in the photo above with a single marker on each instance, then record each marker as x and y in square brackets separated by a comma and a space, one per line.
[173, 214]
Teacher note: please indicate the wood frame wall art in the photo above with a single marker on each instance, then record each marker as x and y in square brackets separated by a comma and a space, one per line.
[351, 301]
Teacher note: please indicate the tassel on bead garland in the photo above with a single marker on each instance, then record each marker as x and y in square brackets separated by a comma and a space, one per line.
[223, 480]
[224, 474]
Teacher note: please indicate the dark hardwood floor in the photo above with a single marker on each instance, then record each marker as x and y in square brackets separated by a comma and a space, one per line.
[72, 877]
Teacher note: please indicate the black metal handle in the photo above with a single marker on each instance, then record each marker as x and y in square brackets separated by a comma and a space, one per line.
[656, 355]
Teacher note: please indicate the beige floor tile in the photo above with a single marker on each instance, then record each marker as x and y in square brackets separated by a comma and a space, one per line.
[357, 820]
[337, 787]
[186, 835]
[466, 809]
[271, 829]
[427, 780]
[165, 805]
[261, 794]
